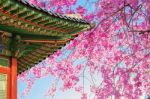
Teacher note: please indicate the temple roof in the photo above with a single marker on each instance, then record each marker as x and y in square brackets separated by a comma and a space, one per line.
[31, 33]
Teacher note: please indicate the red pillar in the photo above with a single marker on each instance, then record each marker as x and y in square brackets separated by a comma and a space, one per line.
[14, 78]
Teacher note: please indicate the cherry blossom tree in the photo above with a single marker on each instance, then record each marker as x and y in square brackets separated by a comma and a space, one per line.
[116, 53]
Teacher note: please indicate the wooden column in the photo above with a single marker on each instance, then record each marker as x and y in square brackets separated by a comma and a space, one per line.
[8, 86]
[14, 79]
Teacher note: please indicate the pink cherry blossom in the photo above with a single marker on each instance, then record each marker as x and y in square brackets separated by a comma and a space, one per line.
[116, 52]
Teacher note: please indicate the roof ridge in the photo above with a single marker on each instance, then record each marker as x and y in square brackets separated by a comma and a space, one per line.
[55, 14]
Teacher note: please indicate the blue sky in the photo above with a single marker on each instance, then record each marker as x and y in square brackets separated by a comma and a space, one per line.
[41, 85]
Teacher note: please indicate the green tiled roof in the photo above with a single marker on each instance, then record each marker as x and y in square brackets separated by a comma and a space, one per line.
[31, 33]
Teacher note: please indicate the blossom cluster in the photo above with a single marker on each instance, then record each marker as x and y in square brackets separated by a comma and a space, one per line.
[117, 50]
